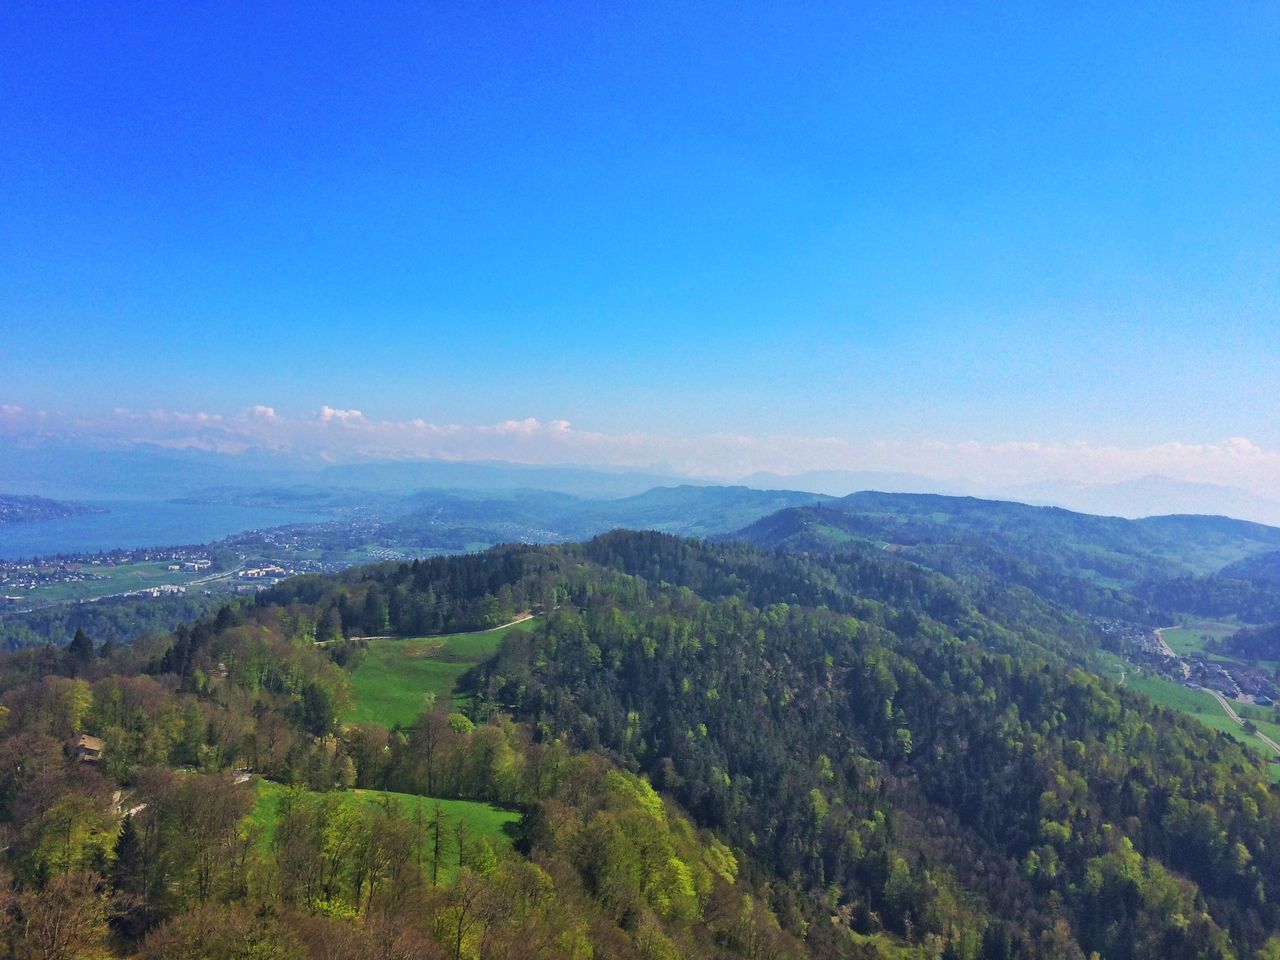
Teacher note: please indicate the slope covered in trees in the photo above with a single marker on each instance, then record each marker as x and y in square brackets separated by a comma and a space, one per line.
[715, 750]
[1142, 570]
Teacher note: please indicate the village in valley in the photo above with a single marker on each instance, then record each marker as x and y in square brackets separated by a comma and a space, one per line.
[170, 571]
[1256, 684]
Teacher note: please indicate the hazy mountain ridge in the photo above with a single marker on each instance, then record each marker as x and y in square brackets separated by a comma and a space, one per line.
[66, 468]
[1137, 569]
[21, 508]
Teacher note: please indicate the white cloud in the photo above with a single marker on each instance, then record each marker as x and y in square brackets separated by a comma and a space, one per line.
[347, 434]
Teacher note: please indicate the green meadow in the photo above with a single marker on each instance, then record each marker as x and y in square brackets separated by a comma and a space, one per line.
[484, 820]
[116, 579]
[399, 678]
[1189, 638]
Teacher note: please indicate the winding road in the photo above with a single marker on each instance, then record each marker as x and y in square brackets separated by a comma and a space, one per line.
[1223, 701]
[1226, 705]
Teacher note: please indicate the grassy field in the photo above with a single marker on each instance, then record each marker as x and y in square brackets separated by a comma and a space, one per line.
[484, 820]
[1190, 638]
[398, 677]
[118, 579]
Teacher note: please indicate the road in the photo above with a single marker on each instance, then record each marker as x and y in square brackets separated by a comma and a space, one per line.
[1168, 652]
[502, 626]
[1226, 705]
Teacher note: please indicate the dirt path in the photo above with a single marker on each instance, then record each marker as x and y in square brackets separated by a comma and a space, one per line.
[443, 636]
[1226, 705]
[502, 626]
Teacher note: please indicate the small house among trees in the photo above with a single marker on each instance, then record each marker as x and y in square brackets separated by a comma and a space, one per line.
[86, 749]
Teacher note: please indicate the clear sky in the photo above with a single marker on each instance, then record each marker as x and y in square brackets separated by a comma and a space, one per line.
[912, 223]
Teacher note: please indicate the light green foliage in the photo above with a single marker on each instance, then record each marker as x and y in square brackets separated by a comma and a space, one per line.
[75, 833]
[818, 806]
[720, 860]
[625, 790]
[487, 826]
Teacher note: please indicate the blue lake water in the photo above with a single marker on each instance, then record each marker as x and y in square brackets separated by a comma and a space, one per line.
[131, 523]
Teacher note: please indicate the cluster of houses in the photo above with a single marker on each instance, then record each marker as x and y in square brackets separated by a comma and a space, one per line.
[1233, 682]
[1120, 636]
[160, 590]
[1145, 649]
[271, 570]
[30, 576]
[191, 566]
[253, 579]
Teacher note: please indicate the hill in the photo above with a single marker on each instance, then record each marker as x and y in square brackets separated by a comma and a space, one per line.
[1263, 567]
[1147, 569]
[716, 750]
[27, 509]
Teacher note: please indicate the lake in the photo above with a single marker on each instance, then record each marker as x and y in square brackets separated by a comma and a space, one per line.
[127, 524]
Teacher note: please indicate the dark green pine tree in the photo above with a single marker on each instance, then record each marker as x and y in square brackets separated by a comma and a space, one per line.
[80, 649]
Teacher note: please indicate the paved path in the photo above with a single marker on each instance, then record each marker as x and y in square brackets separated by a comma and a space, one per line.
[1168, 652]
[1226, 705]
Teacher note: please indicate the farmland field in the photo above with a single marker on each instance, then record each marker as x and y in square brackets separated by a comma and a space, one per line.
[399, 678]
[1205, 708]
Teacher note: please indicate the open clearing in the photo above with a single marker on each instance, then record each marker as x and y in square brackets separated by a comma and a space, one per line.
[1190, 638]
[400, 677]
[484, 820]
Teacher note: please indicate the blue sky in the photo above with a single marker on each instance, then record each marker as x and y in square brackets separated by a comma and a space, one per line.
[884, 223]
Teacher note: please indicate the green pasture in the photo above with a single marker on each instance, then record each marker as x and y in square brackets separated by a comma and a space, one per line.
[399, 678]
[1205, 708]
[484, 820]
[117, 579]
[1189, 638]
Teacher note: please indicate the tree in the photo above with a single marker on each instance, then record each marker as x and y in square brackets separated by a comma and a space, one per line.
[64, 921]
[438, 819]
[80, 649]
[76, 833]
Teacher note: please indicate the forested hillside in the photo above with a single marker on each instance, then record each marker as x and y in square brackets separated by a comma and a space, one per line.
[1142, 570]
[712, 750]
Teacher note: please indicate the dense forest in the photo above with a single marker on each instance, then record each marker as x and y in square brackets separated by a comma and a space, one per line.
[712, 749]
[114, 619]
[1144, 571]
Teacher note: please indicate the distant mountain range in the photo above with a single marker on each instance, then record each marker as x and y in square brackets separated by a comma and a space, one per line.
[1151, 496]
[146, 472]
[1143, 497]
